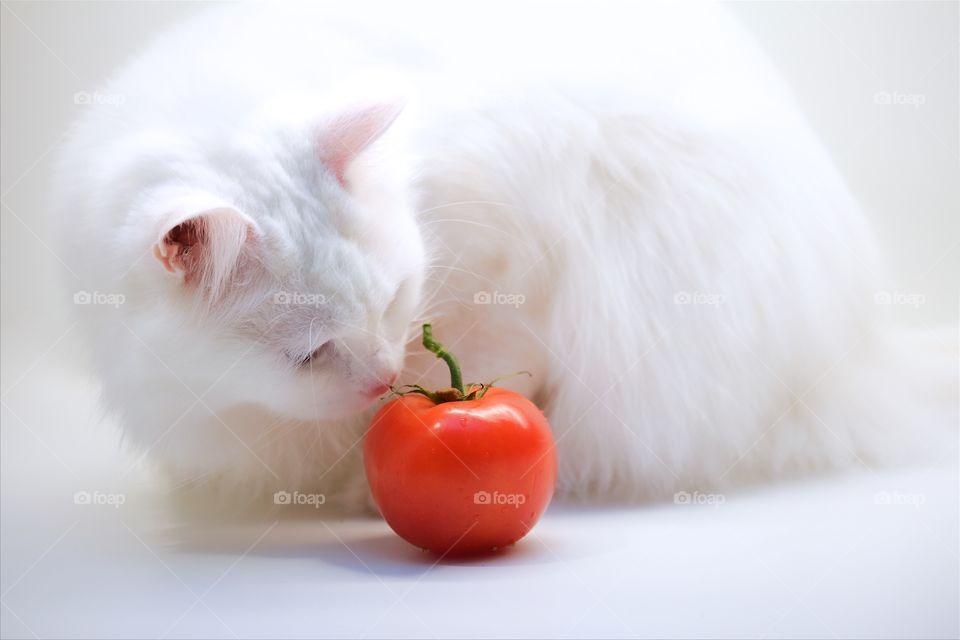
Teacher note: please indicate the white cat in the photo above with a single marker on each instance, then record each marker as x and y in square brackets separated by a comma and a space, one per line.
[620, 198]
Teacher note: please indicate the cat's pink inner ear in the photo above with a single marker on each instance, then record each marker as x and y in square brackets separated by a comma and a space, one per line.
[173, 249]
[344, 136]
[205, 249]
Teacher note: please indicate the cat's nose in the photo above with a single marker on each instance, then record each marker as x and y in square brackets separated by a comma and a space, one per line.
[378, 390]
[382, 385]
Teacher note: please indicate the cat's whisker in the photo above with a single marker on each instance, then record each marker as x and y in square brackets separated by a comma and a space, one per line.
[185, 483]
[425, 313]
[461, 203]
[462, 270]
[511, 233]
[474, 223]
[429, 302]
[271, 428]
[358, 328]
[431, 309]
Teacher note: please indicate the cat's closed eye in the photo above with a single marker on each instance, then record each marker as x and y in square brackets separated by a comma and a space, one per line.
[315, 357]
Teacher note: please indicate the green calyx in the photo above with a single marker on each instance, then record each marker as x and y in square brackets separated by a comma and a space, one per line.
[457, 392]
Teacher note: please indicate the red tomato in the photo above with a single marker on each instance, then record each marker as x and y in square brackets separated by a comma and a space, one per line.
[461, 476]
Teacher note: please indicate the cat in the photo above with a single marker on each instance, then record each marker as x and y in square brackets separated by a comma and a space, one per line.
[621, 199]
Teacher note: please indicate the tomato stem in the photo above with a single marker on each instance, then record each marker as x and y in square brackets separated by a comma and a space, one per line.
[456, 378]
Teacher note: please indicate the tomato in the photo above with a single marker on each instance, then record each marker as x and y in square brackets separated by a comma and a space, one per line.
[462, 470]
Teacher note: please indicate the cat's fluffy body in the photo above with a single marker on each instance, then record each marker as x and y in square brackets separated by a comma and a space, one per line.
[666, 247]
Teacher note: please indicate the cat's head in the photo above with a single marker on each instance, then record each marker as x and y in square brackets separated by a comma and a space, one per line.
[296, 264]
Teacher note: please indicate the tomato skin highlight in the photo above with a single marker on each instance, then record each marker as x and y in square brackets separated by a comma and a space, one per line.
[461, 477]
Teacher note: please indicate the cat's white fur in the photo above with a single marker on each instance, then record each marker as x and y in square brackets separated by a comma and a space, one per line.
[667, 247]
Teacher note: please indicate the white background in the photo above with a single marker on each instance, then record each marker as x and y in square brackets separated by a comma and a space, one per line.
[814, 559]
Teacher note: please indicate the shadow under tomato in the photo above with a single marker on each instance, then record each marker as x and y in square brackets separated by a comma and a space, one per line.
[365, 545]
[389, 554]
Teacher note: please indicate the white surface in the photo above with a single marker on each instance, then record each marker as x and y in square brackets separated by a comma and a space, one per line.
[871, 554]
[823, 561]
[817, 559]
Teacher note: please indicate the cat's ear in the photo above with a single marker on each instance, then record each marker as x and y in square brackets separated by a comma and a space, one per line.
[206, 245]
[345, 135]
